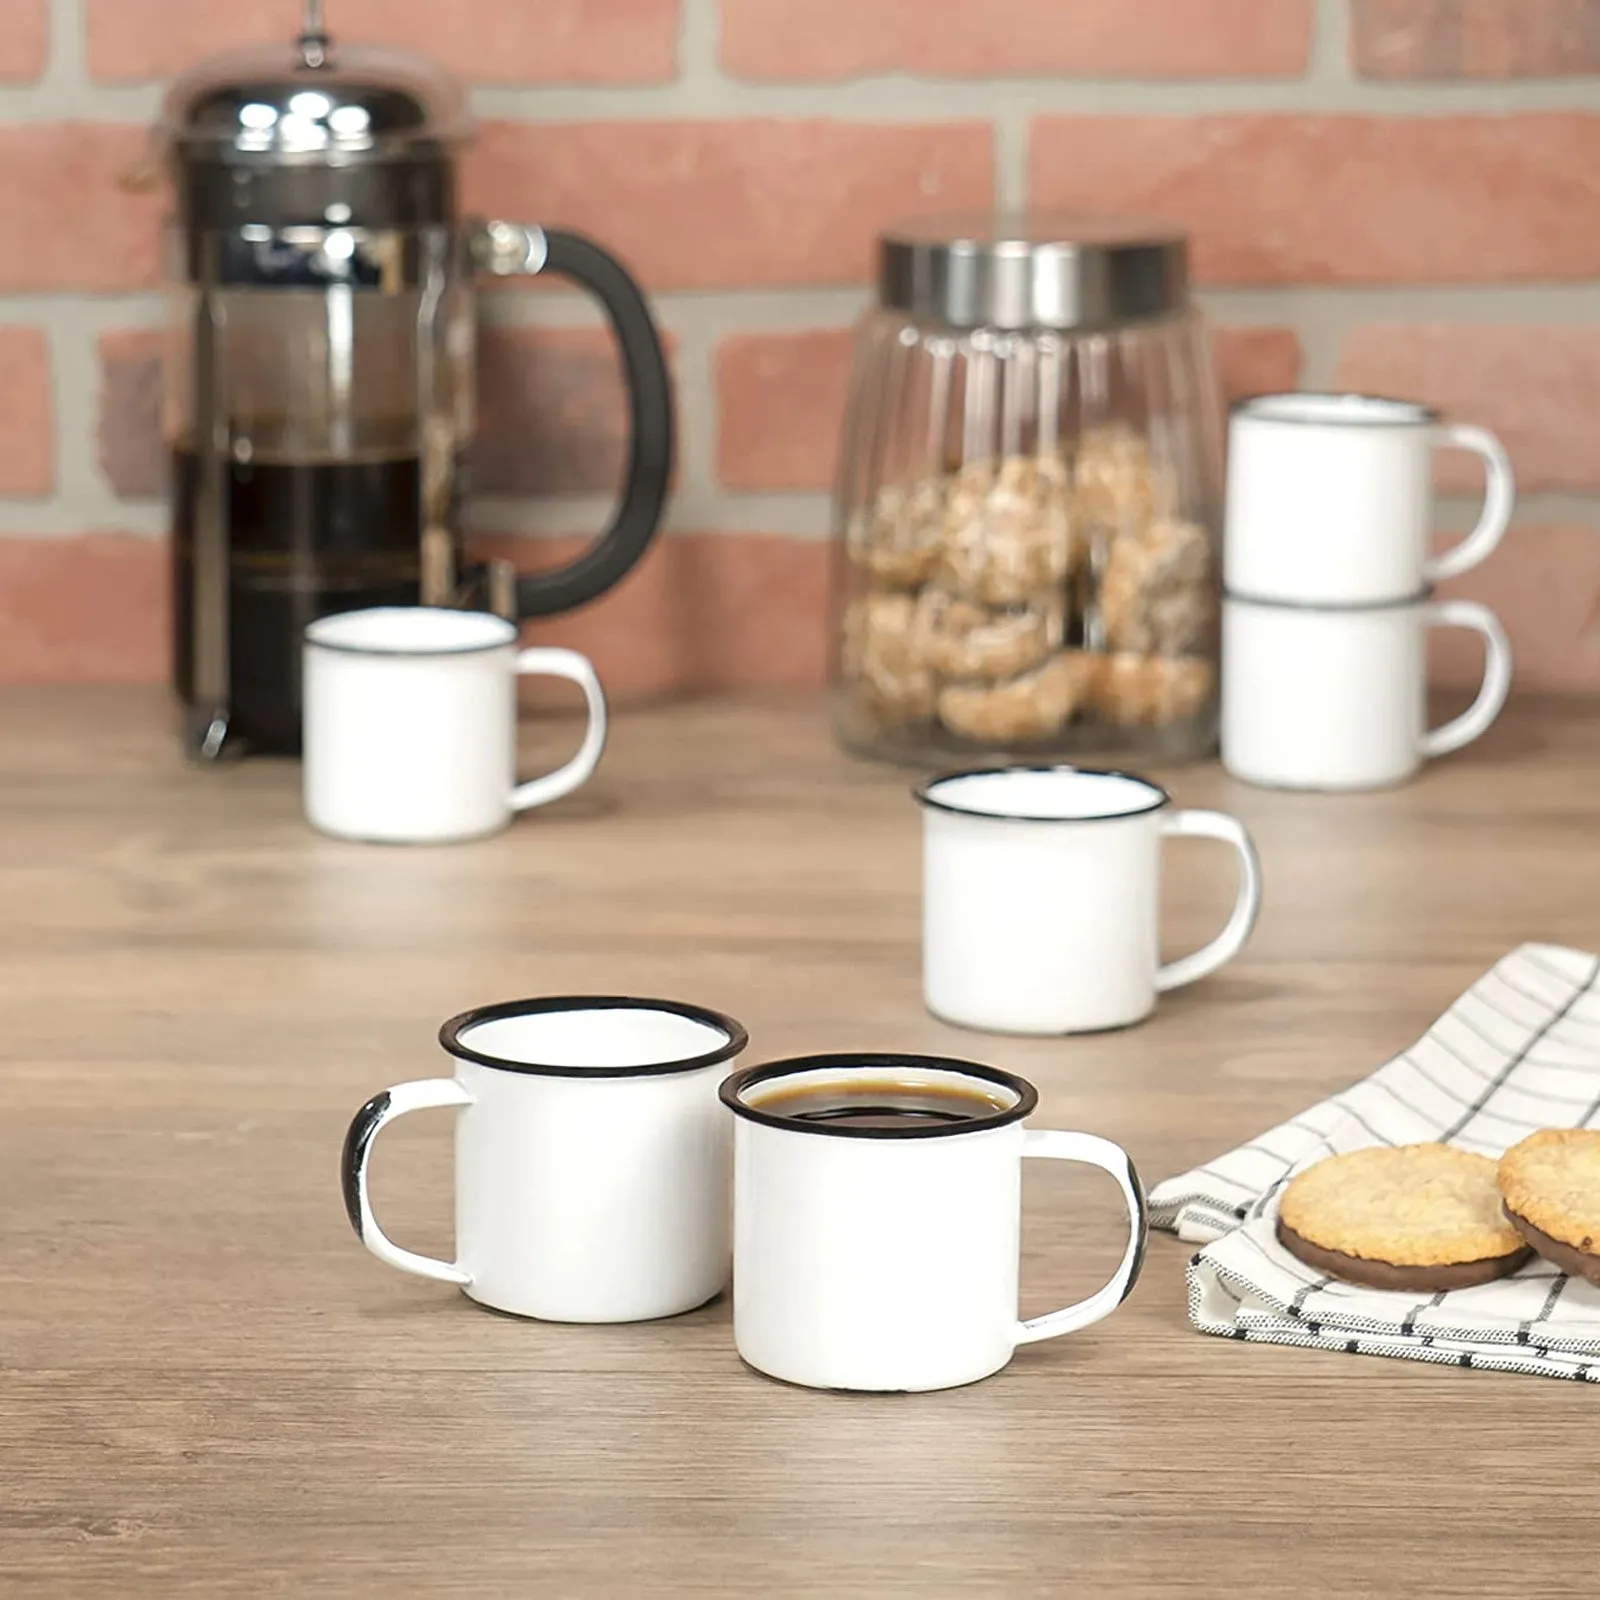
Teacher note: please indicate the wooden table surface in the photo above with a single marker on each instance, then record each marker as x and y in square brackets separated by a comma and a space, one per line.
[208, 1388]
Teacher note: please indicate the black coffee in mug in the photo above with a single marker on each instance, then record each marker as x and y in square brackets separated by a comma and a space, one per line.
[884, 1105]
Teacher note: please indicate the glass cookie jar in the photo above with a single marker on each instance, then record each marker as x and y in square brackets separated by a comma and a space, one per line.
[1026, 514]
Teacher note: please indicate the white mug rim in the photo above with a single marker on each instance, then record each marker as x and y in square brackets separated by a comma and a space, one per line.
[925, 793]
[451, 1035]
[732, 1089]
[325, 632]
[1391, 411]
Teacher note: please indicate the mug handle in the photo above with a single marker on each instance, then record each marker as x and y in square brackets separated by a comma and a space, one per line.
[1500, 499]
[550, 662]
[1242, 920]
[1491, 700]
[419, 1095]
[1094, 1152]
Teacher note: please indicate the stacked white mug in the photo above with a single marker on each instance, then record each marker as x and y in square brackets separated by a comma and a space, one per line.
[1329, 590]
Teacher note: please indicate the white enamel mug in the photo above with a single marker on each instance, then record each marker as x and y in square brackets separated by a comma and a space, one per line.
[1328, 698]
[411, 724]
[888, 1259]
[591, 1156]
[1330, 498]
[1041, 898]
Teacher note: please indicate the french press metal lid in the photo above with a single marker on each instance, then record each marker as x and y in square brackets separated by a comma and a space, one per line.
[320, 398]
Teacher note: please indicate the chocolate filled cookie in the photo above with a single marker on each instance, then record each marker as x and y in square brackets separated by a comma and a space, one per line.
[1421, 1217]
[1550, 1184]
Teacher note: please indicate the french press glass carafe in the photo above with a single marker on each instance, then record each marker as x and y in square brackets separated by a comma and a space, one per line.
[320, 371]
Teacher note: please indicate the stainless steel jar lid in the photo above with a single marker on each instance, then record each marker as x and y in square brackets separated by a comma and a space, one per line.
[1039, 272]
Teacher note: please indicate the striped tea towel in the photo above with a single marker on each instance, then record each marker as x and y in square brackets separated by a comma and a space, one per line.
[1519, 1050]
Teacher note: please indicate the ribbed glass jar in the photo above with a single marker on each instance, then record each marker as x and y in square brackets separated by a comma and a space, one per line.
[1028, 502]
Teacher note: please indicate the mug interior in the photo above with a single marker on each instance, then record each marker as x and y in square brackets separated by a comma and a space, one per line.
[411, 631]
[593, 1036]
[1043, 794]
[756, 1093]
[1336, 410]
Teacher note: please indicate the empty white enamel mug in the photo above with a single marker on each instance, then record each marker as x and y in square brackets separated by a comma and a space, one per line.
[591, 1156]
[887, 1260]
[1041, 899]
[1325, 698]
[411, 724]
[1330, 498]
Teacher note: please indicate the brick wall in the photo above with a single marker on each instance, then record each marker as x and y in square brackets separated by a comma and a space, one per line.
[1392, 194]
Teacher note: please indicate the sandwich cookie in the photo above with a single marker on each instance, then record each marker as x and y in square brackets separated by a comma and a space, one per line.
[1550, 1183]
[1418, 1217]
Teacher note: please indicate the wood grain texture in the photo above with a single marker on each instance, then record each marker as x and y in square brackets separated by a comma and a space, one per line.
[208, 1389]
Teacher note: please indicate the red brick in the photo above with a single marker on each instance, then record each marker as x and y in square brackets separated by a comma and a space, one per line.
[24, 40]
[1343, 199]
[1475, 38]
[1538, 388]
[713, 205]
[27, 413]
[780, 398]
[484, 41]
[778, 41]
[701, 612]
[89, 609]
[128, 433]
[1543, 584]
[70, 222]
[552, 412]
[1254, 361]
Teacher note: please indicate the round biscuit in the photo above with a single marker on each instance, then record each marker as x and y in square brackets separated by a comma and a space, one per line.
[1552, 1179]
[1415, 1205]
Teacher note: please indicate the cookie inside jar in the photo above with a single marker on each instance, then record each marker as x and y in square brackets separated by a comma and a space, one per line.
[1031, 465]
[1009, 534]
[963, 640]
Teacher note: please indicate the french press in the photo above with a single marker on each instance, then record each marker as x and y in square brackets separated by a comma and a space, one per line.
[321, 370]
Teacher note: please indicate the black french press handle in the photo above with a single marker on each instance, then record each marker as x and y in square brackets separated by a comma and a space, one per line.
[650, 431]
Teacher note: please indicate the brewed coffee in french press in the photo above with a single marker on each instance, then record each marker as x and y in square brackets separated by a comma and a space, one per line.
[320, 405]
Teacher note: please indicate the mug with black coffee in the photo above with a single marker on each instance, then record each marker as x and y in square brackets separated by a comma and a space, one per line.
[877, 1220]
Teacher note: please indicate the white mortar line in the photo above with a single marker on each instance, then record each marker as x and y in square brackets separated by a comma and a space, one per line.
[799, 514]
[699, 40]
[900, 98]
[66, 70]
[1330, 46]
[792, 515]
[1456, 513]
[695, 493]
[702, 97]
[753, 310]
[56, 519]
[1011, 131]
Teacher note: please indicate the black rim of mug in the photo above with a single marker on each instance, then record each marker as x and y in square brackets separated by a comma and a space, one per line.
[734, 1086]
[924, 794]
[410, 652]
[1256, 407]
[450, 1035]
